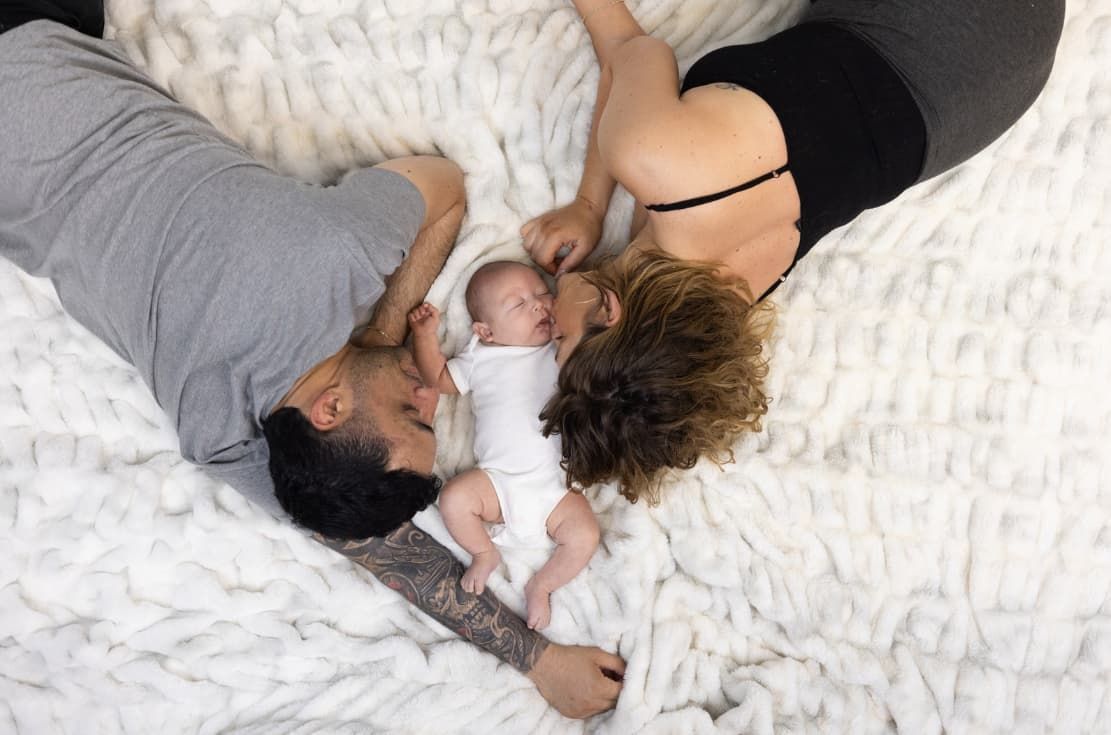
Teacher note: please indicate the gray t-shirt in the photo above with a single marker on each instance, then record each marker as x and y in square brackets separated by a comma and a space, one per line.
[220, 280]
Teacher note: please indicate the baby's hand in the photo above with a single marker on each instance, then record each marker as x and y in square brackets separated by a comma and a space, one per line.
[424, 319]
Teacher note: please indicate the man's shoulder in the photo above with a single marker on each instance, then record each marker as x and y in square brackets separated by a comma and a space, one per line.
[249, 475]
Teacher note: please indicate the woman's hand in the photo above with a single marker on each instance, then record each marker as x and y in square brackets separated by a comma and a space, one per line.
[560, 240]
[578, 681]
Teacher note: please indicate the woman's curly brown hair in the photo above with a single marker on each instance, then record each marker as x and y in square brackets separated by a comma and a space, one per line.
[678, 377]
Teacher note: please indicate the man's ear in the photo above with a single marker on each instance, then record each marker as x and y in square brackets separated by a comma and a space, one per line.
[482, 329]
[329, 410]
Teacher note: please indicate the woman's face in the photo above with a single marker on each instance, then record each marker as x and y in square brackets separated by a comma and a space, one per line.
[578, 305]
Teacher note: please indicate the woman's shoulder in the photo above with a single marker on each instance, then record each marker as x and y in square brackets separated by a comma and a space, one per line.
[711, 140]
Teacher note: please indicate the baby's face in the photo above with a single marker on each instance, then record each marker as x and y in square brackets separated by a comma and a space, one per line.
[517, 309]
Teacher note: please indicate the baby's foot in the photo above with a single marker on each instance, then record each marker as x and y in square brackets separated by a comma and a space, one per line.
[482, 565]
[539, 604]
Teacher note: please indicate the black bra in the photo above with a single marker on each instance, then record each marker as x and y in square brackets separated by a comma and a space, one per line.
[688, 203]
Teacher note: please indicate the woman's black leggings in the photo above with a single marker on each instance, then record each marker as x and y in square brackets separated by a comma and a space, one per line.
[86, 16]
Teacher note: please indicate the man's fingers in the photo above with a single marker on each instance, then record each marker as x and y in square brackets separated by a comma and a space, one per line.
[608, 691]
[610, 662]
[602, 696]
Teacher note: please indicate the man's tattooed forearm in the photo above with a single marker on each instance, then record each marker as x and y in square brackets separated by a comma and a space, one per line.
[424, 571]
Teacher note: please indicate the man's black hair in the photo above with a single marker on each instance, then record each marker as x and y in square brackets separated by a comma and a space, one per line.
[337, 484]
[86, 16]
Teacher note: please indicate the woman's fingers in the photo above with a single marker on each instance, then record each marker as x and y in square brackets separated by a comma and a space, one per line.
[562, 239]
[532, 233]
[550, 250]
[574, 258]
[542, 243]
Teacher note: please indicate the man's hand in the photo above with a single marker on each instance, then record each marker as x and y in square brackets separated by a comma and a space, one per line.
[424, 320]
[578, 681]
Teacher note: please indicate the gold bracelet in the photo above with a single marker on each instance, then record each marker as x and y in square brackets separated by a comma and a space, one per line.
[610, 4]
[390, 339]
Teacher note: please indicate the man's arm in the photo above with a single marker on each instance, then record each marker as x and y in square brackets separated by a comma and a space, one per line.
[440, 183]
[576, 680]
[425, 572]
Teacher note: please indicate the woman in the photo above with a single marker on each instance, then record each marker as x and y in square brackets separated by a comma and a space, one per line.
[758, 153]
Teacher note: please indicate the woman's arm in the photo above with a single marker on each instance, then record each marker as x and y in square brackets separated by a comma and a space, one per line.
[610, 24]
[641, 137]
[578, 225]
[576, 680]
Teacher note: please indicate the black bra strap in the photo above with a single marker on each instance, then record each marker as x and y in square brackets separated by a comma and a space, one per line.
[783, 277]
[688, 203]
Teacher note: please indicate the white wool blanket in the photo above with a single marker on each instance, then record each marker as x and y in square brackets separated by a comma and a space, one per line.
[918, 541]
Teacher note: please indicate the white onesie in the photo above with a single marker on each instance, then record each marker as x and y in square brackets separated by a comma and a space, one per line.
[509, 387]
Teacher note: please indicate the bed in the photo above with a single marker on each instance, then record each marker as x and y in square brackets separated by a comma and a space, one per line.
[919, 540]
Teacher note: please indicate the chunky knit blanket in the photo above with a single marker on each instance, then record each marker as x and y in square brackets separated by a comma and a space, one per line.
[919, 540]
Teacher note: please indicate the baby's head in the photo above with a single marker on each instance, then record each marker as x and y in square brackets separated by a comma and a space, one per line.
[510, 305]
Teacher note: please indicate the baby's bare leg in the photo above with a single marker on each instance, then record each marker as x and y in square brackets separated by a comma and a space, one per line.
[574, 528]
[466, 501]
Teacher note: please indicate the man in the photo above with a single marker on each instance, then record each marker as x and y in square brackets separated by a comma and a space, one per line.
[235, 291]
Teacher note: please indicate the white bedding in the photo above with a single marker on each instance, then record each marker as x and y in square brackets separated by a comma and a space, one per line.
[920, 539]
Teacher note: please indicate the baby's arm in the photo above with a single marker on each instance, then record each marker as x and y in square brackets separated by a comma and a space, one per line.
[574, 528]
[431, 364]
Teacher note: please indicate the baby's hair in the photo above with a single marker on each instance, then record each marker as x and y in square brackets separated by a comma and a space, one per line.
[476, 286]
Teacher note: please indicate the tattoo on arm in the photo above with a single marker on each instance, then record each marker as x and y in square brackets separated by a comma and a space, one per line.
[727, 85]
[414, 564]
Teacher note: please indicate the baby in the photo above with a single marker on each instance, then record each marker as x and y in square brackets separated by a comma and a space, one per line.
[510, 370]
